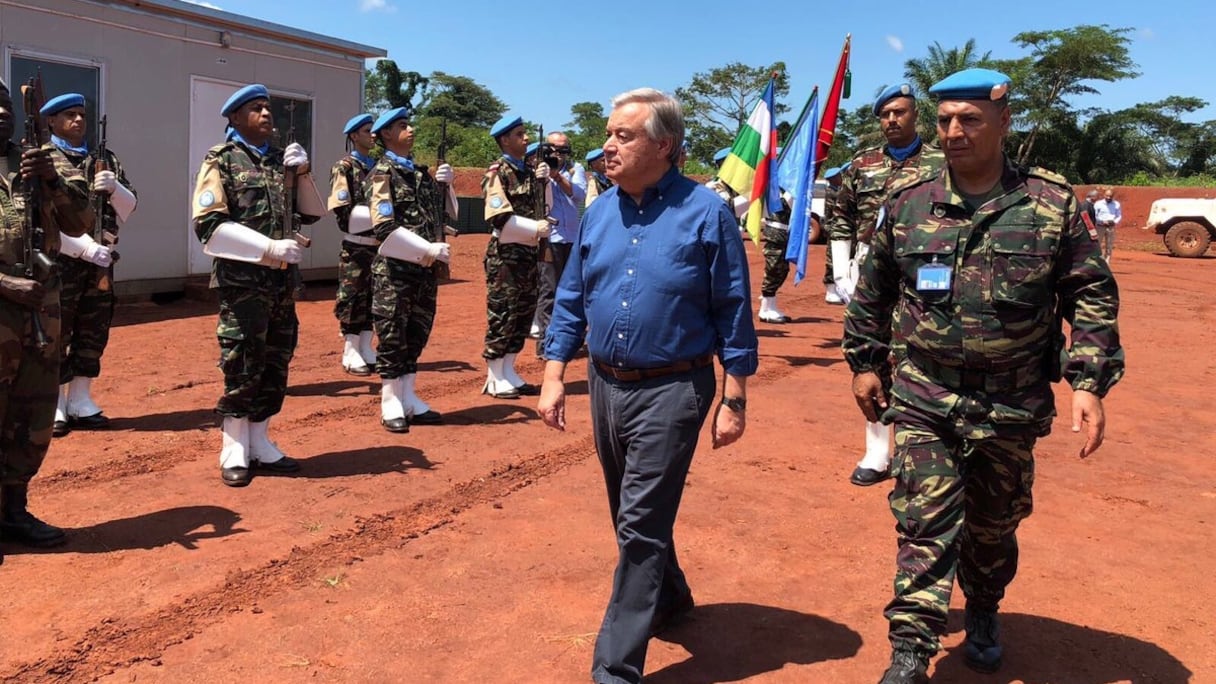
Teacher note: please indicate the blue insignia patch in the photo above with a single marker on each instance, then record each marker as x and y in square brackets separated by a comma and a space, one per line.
[343, 195]
[385, 208]
[206, 199]
[495, 202]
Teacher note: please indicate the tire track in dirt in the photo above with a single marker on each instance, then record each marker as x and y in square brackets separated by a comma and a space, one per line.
[119, 643]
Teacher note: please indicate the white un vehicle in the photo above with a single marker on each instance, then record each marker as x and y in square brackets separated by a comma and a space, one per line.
[1189, 225]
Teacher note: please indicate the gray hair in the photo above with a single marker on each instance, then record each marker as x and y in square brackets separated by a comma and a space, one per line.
[1091, 194]
[666, 118]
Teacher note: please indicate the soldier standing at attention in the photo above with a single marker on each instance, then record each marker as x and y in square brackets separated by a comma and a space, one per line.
[867, 182]
[29, 371]
[983, 261]
[405, 204]
[513, 199]
[598, 183]
[353, 303]
[239, 215]
[832, 176]
[86, 300]
[776, 234]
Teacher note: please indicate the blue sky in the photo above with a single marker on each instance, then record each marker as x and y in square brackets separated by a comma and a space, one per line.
[540, 58]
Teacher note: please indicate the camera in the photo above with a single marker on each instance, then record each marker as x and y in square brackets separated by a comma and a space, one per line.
[554, 155]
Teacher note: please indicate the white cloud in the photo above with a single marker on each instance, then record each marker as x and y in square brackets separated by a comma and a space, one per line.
[208, 5]
[895, 43]
[1147, 33]
[376, 6]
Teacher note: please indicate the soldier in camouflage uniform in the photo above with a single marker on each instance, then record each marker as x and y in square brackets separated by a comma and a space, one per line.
[599, 182]
[513, 195]
[86, 268]
[353, 303]
[983, 261]
[869, 180]
[29, 375]
[832, 176]
[406, 206]
[238, 211]
[776, 234]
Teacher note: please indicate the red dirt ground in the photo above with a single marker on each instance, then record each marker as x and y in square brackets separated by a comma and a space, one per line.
[482, 550]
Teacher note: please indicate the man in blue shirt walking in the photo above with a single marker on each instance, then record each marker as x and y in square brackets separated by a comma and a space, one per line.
[659, 276]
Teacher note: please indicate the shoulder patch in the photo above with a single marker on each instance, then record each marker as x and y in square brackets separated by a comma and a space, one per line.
[343, 195]
[384, 208]
[495, 202]
[206, 198]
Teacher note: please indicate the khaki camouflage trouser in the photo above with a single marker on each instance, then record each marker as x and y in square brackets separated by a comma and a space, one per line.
[87, 315]
[404, 310]
[511, 290]
[353, 303]
[776, 268]
[957, 504]
[29, 389]
[257, 332]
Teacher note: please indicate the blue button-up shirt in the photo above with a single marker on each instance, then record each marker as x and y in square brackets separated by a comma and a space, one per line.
[565, 207]
[657, 283]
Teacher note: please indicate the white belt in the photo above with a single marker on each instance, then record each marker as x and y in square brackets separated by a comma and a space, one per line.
[360, 240]
[776, 224]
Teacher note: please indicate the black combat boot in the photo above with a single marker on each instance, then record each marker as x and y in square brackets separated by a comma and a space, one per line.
[982, 647]
[907, 667]
[19, 525]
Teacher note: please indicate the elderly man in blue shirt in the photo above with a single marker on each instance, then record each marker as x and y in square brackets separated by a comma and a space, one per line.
[659, 276]
[568, 185]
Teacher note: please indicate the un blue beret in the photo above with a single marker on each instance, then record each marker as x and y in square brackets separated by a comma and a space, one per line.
[531, 149]
[831, 173]
[62, 102]
[845, 166]
[892, 92]
[721, 155]
[240, 97]
[390, 116]
[505, 124]
[595, 154]
[972, 84]
[356, 122]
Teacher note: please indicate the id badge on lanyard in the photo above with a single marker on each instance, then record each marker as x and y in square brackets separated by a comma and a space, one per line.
[934, 277]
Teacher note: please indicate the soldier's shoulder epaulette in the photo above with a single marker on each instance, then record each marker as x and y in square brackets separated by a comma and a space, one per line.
[869, 157]
[226, 146]
[345, 164]
[493, 168]
[1047, 175]
[379, 175]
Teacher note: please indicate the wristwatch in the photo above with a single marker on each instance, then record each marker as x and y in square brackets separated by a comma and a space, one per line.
[737, 404]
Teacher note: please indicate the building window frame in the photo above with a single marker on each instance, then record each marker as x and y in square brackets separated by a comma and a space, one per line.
[42, 55]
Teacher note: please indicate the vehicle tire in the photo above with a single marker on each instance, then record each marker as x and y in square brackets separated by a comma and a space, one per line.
[816, 236]
[1187, 239]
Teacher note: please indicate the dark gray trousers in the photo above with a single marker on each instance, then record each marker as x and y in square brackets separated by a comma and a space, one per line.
[645, 435]
[550, 274]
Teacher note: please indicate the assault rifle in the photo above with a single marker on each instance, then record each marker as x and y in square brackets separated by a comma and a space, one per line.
[289, 188]
[442, 270]
[107, 238]
[542, 244]
[35, 263]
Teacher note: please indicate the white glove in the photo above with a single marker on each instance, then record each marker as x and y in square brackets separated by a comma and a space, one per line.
[98, 255]
[543, 229]
[542, 171]
[105, 181]
[842, 269]
[445, 174]
[439, 251]
[295, 155]
[285, 250]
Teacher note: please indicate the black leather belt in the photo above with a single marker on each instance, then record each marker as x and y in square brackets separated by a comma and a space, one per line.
[639, 374]
[977, 379]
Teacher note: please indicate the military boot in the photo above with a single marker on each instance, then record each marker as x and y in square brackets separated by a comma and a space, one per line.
[19, 525]
[907, 667]
[982, 647]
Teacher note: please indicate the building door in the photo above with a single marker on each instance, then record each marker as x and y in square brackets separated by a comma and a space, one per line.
[207, 97]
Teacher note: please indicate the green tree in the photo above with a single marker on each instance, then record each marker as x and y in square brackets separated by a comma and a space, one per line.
[922, 73]
[387, 87]
[461, 100]
[586, 127]
[1061, 61]
[717, 103]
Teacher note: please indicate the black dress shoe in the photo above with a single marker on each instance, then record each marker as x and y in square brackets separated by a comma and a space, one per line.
[528, 390]
[864, 477]
[23, 528]
[286, 464]
[400, 425]
[429, 418]
[672, 614]
[235, 477]
[60, 428]
[97, 421]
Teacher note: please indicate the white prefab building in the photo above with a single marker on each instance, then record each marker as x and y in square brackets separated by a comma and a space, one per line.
[160, 70]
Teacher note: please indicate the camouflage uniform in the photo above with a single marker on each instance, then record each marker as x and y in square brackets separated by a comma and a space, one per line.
[829, 211]
[29, 377]
[404, 294]
[511, 270]
[865, 185]
[973, 392]
[353, 303]
[258, 328]
[597, 184]
[87, 298]
[776, 238]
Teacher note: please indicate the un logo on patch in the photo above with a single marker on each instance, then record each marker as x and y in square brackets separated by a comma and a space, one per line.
[495, 202]
[206, 199]
[343, 195]
[385, 208]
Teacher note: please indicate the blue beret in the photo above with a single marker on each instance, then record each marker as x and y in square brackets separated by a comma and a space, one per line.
[505, 124]
[845, 166]
[972, 84]
[531, 149]
[831, 173]
[721, 155]
[62, 102]
[390, 116]
[595, 154]
[240, 97]
[892, 92]
[356, 122]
